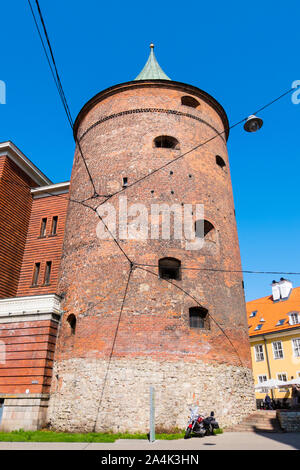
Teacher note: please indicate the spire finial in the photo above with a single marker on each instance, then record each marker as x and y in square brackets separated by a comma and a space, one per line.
[152, 70]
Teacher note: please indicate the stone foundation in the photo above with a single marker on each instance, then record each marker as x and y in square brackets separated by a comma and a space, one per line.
[78, 402]
[24, 411]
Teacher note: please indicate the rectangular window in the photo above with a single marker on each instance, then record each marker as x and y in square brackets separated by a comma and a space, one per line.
[282, 376]
[296, 347]
[259, 353]
[294, 319]
[36, 274]
[54, 225]
[277, 350]
[43, 228]
[125, 182]
[261, 380]
[47, 273]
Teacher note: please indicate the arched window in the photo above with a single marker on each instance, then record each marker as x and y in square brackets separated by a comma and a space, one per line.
[169, 268]
[72, 322]
[220, 161]
[166, 141]
[199, 318]
[204, 228]
[189, 101]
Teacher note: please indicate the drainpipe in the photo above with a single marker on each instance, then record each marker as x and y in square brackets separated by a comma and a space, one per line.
[268, 364]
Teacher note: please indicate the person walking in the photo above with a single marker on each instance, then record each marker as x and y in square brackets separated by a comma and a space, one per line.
[268, 402]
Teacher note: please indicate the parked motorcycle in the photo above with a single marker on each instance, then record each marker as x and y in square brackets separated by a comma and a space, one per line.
[200, 425]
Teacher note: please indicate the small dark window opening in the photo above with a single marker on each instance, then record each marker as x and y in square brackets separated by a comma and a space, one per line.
[43, 228]
[36, 274]
[169, 268]
[125, 182]
[54, 225]
[190, 101]
[166, 141]
[47, 273]
[199, 318]
[1, 408]
[72, 322]
[207, 228]
[220, 161]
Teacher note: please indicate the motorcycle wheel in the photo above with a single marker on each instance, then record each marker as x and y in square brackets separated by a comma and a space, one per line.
[188, 433]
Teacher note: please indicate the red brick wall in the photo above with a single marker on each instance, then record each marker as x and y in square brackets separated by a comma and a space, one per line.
[15, 206]
[118, 141]
[29, 356]
[41, 250]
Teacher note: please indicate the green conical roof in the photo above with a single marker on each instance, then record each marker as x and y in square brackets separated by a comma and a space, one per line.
[152, 69]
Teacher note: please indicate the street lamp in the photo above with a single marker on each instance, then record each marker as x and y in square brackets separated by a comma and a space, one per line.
[253, 123]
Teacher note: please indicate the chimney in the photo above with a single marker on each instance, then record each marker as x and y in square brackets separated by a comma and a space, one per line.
[281, 290]
[275, 291]
[285, 287]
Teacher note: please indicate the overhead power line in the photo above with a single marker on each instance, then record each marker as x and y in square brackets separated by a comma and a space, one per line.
[199, 304]
[57, 81]
[113, 345]
[247, 271]
[170, 162]
[55, 74]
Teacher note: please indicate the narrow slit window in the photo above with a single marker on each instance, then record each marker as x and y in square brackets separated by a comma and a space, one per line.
[72, 323]
[199, 318]
[125, 182]
[43, 227]
[54, 225]
[169, 268]
[220, 162]
[36, 273]
[47, 273]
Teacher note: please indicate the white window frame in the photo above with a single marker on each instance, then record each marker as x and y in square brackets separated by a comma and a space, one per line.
[291, 321]
[280, 374]
[260, 382]
[294, 340]
[275, 351]
[259, 352]
[260, 377]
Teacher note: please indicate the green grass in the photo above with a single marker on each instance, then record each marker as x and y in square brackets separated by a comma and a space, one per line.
[52, 436]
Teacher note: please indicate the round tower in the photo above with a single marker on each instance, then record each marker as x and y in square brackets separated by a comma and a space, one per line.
[152, 307]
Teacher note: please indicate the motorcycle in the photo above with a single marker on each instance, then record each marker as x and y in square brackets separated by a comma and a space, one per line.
[200, 425]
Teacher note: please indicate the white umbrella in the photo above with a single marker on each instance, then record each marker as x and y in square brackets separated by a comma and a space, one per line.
[295, 381]
[271, 383]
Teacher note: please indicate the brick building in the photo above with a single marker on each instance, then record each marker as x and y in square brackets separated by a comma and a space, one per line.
[58, 272]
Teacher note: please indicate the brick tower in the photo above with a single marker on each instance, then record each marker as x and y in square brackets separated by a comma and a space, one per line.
[189, 342]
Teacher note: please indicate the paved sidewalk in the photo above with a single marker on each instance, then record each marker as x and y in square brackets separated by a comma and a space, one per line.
[225, 441]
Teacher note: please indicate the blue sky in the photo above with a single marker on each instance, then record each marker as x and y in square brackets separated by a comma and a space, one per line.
[244, 54]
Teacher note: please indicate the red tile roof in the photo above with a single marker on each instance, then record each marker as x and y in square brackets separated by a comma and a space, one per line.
[271, 312]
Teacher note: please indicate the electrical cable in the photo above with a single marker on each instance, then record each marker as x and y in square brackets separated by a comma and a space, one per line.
[113, 346]
[199, 304]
